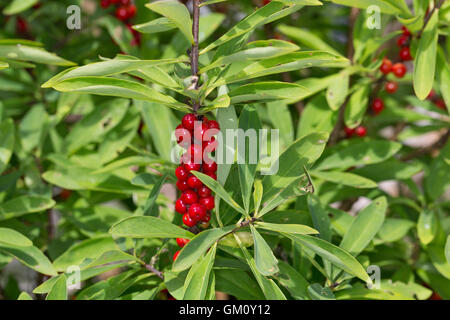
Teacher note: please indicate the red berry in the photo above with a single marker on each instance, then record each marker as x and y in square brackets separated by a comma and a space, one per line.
[65, 194]
[402, 40]
[431, 95]
[188, 221]
[115, 1]
[194, 182]
[197, 211]
[406, 31]
[212, 175]
[21, 26]
[182, 185]
[210, 167]
[105, 3]
[405, 54]
[122, 13]
[188, 121]
[196, 153]
[377, 105]
[124, 2]
[189, 197]
[210, 146]
[204, 192]
[391, 86]
[182, 242]
[212, 124]
[265, 2]
[361, 131]
[399, 70]
[175, 256]
[386, 66]
[208, 203]
[199, 130]
[180, 207]
[207, 218]
[131, 11]
[183, 136]
[349, 132]
[440, 103]
[190, 166]
[181, 173]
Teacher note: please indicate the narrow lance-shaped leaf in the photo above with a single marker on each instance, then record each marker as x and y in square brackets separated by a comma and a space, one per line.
[33, 54]
[265, 261]
[177, 13]
[425, 61]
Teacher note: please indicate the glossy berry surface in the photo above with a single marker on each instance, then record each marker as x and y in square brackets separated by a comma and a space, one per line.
[181, 173]
[405, 54]
[204, 192]
[189, 197]
[180, 207]
[122, 13]
[197, 211]
[188, 121]
[361, 131]
[175, 256]
[377, 105]
[188, 221]
[391, 87]
[182, 185]
[208, 202]
[194, 182]
[399, 70]
[386, 66]
[182, 242]
[210, 167]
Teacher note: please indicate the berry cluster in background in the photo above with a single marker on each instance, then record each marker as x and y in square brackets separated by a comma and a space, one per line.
[125, 10]
[195, 134]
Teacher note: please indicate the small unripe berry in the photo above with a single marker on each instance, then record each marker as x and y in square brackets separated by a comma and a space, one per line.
[399, 70]
[189, 197]
[180, 207]
[188, 221]
[188, 121]
[361, 131]
[391, 86]
[377, 105]
[208, 202]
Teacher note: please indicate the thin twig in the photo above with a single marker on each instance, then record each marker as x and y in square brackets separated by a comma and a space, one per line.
[428, 17]
[420, 152]
[194, 50]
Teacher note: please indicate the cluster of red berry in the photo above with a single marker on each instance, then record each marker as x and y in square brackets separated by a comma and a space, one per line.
[125, 11]
[195, 134]
[360, 131]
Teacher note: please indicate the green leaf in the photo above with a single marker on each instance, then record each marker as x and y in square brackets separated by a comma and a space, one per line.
[306, 38]
[248, 24]
[118, 88]
[357, 106]
[155, 26]
[208, 2]
[394, 229]
[12, 237]
[427, 226]
[437, 256]
[257, 50]
[364, 228]
[59, 289]
[287, 228]
[447, 249]
[320, 218]
[174, 282]
[317, 292]
[197, 280]
[3, 65]
[88, 250]
[383, 5]
[337, 91]
[267, 91]
[317, 116]
[24, 296]
[360, 153]
[248, 121]
[6, 143]
[33, 54]
[218, 190]
[31, 257]
[238, 284]
[281, 119]
[265, 260]
[177, 13]
[345, 178]
[151, 200]
[140, 227]
[24, 205]
[438, 179]
[257, 196]
[425, 61]
[290, 165]
[293, 281]
[107, 68]
[17, 6]
[335, 255]
[198, 245]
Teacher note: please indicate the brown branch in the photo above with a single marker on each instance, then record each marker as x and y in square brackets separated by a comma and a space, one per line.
[151, 267]
[428, 17]
[420, 152]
